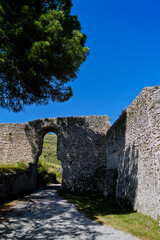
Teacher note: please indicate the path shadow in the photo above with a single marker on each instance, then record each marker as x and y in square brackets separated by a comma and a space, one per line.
[44, 215]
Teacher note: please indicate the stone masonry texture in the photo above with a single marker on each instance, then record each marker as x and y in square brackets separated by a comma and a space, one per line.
[81, 146]
[122, 160]
[133, 150]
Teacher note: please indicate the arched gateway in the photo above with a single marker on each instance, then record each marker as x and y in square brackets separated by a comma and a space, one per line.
[122, 160]
[80, 146]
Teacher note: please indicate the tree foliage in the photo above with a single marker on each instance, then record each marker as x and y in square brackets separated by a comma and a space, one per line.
[41, 50]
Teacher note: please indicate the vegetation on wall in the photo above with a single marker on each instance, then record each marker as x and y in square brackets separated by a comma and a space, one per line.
[18, 167]
[49, 167]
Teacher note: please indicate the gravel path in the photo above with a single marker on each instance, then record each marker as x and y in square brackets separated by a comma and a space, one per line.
[44, 215]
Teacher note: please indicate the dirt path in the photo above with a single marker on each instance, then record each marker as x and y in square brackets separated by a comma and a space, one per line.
[44, 215]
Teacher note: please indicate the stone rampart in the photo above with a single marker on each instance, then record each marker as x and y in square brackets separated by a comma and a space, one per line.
[133, 150]
[12, 184]
[122, 160]
[81, 146]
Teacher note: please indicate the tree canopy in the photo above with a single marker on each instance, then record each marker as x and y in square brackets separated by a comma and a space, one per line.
[41, 50]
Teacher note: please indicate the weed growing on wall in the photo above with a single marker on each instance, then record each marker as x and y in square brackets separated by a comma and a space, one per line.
[18, 167]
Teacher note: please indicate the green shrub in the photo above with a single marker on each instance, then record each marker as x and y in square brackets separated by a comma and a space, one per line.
[44, 176]
[18, 167]
[21, 164]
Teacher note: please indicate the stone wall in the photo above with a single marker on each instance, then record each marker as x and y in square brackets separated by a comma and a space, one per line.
[133, 151]
[81, 146]
[14, 145]
[122, 160]
[12, 184]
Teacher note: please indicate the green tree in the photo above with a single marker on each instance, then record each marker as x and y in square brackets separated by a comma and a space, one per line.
[41, 50]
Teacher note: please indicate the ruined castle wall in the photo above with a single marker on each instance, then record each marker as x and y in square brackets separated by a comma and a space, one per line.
[126, 161]
[81, 146]
[82, 150]
[14, 145]
[133, 149]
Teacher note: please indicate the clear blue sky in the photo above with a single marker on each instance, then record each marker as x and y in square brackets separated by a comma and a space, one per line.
[124, 42]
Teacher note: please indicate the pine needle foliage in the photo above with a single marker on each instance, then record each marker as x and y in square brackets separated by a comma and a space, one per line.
[41, 50]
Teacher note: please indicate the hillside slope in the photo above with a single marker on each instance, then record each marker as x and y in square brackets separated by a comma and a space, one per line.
[49, 165]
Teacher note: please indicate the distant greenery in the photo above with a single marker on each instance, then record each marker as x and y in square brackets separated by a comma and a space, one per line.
[49, 167]
[18, 167]
[49, 151]
[108, 212]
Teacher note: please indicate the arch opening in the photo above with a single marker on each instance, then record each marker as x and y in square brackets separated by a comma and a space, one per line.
[49, 166]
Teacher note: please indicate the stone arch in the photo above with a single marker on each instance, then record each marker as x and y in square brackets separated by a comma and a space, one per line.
[81, 146]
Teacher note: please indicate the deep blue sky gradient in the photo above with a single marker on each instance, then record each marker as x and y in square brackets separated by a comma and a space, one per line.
[124, 42]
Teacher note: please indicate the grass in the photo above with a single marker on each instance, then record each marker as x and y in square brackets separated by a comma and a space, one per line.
[13, 168]
[49, 151]
[108, 212]
[49, 167]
